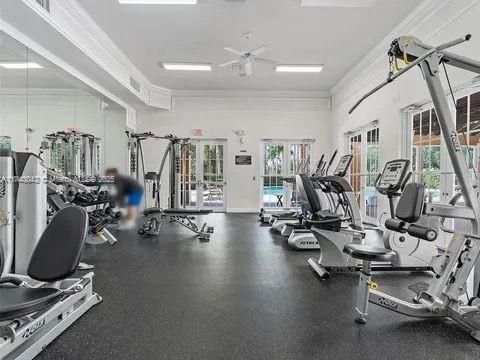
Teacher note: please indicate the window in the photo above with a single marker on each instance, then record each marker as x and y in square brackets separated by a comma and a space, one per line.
[282, 160]
[363, 145]
[468, 128]
[425, 152]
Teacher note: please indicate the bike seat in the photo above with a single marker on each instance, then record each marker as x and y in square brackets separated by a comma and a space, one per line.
[17, 302]
[369, 253]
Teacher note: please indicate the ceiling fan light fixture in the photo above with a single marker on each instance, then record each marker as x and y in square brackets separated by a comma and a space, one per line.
[187, 66]
[299, 68]
[158, 2]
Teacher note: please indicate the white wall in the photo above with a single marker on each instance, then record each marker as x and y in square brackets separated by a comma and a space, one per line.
[219, 118]
[452, 19]
[47, 111]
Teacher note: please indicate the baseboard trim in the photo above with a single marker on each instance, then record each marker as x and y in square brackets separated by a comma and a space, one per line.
[243, 210]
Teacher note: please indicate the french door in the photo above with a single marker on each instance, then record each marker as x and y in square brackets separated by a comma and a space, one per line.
[202, 175]
[282, 160]
[363, 146]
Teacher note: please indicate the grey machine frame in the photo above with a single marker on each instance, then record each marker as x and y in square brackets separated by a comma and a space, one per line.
[174, 212]
[443, 297]
[23, 206]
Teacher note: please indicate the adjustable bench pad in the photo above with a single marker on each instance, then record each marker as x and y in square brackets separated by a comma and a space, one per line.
[180, 211]
[188, 211]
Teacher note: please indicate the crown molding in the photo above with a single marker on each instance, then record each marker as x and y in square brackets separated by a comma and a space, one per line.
[251, 94]
[408, 25]
[31, 44]
[69, 19]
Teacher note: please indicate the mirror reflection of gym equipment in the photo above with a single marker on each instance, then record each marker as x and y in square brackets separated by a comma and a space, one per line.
[197, 179]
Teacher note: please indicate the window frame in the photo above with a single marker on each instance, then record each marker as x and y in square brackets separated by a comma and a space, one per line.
[363, 175]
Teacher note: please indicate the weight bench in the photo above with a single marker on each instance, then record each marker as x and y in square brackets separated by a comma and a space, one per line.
[35, 309]
[155, 217]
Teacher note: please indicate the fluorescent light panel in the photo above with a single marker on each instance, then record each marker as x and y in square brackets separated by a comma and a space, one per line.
[187, 66]
[299, 68]
[19, 65]
[159, 2]
[338, 3]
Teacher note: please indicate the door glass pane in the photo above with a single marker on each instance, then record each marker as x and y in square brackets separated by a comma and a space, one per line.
[356, 166]
[273, 192]
[213, 179]
[188, 176]
[370, 193]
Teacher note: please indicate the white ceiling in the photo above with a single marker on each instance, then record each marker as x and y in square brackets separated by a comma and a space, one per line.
[48, 77]
[337, 37]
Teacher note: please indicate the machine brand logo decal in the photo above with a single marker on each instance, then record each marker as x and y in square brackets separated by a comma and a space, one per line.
[35, 327]
[308, 243]
[388, 303]
[456, 144]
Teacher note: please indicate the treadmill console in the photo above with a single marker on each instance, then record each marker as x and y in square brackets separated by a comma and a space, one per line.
[343, 166]
[393, 176]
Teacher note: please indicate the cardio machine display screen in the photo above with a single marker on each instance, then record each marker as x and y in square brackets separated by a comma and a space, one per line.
[393, 174]
[343, 166]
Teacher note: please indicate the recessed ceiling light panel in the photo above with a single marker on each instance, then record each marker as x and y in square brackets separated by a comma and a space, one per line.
[187, 66]
[19, 65]
[158, 2]
[338, 3]
[299, 68]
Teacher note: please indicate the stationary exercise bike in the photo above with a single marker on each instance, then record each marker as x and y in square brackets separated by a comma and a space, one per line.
[299, 234]
[294, 219]
[411, 253]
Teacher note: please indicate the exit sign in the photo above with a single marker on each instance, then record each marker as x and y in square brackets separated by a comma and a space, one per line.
[197, 132]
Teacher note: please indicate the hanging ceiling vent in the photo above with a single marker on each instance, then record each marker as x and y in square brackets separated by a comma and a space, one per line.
[339, 3]
[135, 84]
[44, 4]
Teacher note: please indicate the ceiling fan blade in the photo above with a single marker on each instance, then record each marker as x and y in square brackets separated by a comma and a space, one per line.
[266, 61]
[236, 52]
[259, 50]
[229, 63]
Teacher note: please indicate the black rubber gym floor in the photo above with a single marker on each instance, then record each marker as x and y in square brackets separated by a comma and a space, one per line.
[243, 295]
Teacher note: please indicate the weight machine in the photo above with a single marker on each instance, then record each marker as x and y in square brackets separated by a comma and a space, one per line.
[442, 298]
[72, 153]
[174, 213]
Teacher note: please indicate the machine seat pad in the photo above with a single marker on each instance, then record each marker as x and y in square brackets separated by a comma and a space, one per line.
[292, 218]
[16, 302]
[152, 211]
[296, 226]
[370, 253]
[288, 214]
[181, 211]
[327, 215]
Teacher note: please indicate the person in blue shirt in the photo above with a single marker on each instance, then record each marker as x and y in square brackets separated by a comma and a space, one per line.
[129, 194]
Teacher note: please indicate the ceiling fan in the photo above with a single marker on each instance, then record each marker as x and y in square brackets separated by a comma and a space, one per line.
[247, 58]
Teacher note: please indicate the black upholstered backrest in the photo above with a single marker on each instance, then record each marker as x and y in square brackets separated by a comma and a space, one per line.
[410, 204]
[307, 190]
[60, 248]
